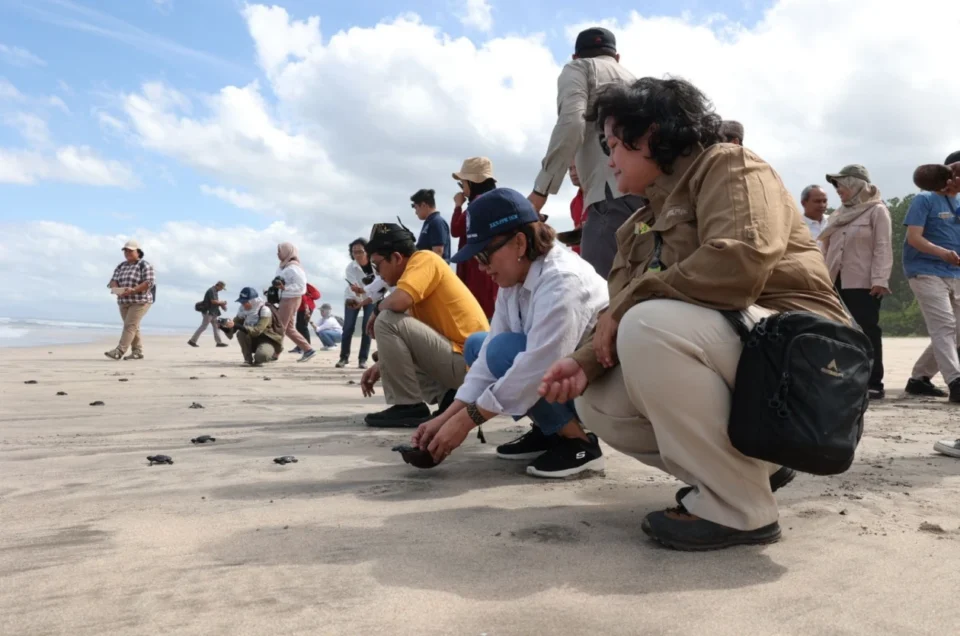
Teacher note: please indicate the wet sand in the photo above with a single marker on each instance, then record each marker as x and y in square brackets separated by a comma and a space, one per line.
[350, 540]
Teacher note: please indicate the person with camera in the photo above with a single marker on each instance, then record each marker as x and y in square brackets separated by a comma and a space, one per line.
[721, 232]
[420, 328]
[291, 282]
[258, 330]
[211, 305]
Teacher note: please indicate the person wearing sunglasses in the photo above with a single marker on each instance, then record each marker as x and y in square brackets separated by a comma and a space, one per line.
[549, 298]
[435, 233]
[654, 380]
[932, 266]
[421, 328]
[858, 247]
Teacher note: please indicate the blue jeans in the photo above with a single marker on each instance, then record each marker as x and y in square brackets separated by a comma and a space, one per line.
[349, 325]
[501, 351]
[329, 337]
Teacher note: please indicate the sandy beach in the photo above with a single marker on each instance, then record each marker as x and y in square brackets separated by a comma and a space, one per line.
[350, 540]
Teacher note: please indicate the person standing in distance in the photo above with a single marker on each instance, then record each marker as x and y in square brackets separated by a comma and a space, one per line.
[211, 311]
[435, 233]
[595, 63]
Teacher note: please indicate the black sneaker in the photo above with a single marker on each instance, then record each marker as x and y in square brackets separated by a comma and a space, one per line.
[569, 457]
[876, 393]
[677, 529]
[955, 390]
[400, 416]
[341, 364]
[778, 480]
[528, 446]
[192, 343]
[923, 386]
[446, 401]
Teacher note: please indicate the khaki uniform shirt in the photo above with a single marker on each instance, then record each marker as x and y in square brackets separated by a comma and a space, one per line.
[732, 238]
[573, 136]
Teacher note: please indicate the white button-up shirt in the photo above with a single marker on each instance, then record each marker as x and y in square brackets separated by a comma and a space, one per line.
[555, 306]
[816, 226]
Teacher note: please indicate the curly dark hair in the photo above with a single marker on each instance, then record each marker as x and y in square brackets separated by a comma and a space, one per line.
[676, 112]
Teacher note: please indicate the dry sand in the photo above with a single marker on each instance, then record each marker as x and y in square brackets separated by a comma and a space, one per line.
[352, 541]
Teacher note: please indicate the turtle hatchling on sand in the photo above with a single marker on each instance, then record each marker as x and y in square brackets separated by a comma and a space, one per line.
[203, 439]
[416, 456]
[286, 459]
[196, 405]
[159, 459]
[97, 403]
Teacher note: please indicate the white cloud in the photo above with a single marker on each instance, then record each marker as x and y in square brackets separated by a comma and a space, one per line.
[188, 258]
[16, 56]
[9, 92]
[242, 200]
[71, 164]
[478, 14]
[31, 127]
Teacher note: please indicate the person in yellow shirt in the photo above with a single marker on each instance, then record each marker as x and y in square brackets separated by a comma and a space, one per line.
[420, 328]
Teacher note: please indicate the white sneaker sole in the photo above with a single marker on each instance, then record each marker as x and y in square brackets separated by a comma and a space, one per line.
[597, 465]
[521, 456]
[946, 449]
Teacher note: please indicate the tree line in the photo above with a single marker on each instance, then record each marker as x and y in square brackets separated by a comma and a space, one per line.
[899, 314]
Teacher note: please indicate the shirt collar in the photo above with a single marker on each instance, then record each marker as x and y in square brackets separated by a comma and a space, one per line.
[536, 269]
[665, 183]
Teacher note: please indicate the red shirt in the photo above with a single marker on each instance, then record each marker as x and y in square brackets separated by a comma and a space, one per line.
[578, 214]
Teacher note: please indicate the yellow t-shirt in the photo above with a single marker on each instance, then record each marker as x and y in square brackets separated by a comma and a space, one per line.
[440, 299]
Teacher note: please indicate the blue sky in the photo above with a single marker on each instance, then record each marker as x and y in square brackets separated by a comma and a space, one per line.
[93, 50]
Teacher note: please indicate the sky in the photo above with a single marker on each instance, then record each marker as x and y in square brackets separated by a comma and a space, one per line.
[211, 130]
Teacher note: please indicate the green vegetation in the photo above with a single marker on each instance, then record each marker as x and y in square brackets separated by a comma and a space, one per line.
[900, 315]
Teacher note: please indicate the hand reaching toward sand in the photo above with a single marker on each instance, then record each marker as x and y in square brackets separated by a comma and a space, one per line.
[368, 379]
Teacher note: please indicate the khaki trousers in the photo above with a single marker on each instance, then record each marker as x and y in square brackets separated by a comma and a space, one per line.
[208, 319]
[288, 318]
[417, 364]
[668, 405]
[939, 300]
[132, 314]
[258, 350]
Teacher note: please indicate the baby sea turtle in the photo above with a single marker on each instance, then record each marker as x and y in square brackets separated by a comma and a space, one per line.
[196, 405]
[31, 382]
[193, 377]
[159, 459]
[123, 380]
[286, 459]
[61, 392]
[203, 439]
[415, 456]
[97, 403]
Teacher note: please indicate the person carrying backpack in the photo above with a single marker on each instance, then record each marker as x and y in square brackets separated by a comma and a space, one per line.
[258, 328]
[134, 284]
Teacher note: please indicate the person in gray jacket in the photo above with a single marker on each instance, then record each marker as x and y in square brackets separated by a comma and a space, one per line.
[595, 63]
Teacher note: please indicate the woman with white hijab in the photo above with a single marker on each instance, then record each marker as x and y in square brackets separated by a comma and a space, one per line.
[291, 295]
[859, 253]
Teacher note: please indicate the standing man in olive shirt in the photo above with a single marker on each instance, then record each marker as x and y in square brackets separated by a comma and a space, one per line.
[595, 63]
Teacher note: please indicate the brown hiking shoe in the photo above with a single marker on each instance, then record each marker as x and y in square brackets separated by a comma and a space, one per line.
[113, 354]
[136, 355]
[677, 529]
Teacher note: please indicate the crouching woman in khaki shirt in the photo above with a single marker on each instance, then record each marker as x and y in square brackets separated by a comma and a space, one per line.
[655, 381]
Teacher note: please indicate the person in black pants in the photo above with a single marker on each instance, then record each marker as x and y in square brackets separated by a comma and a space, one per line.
[864, 306]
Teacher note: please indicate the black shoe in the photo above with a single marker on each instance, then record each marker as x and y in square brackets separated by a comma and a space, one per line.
[778, 480]
[677, 529]
[528, 446]
[400, 416]
[569, 457]
[341, 364]
[222, 344]
[924, 386]
[955, 390]
[446, 401]
[192, 343]
[876, 393]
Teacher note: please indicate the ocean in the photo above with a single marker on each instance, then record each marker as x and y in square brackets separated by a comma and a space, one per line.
[28, 332]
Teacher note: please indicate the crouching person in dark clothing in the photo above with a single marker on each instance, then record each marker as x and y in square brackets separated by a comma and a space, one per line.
[257, 328]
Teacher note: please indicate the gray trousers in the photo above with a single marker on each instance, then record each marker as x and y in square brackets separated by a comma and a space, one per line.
[417, 364]
[208, 319]
[598, 243]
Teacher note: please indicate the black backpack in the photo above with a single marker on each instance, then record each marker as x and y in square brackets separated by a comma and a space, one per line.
[801, 391]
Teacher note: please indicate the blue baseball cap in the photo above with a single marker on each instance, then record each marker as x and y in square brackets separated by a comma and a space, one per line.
[493, 213]
[247, 294]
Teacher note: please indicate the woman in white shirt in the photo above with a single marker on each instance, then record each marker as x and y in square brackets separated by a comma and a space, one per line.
[291, 295]
[359, 295]
[549, 298]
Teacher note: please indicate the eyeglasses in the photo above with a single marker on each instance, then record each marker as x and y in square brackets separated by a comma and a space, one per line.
[483, 256]
[603, 145]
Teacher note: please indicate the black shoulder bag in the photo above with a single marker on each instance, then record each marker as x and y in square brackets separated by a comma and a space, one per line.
[800, 391]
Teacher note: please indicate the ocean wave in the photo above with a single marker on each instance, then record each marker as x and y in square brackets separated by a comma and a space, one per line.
[12, 333]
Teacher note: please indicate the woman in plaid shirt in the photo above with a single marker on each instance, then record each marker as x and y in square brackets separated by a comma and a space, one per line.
[133, 283]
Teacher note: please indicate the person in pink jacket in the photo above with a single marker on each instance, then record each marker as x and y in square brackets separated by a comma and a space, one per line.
[859, 252]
